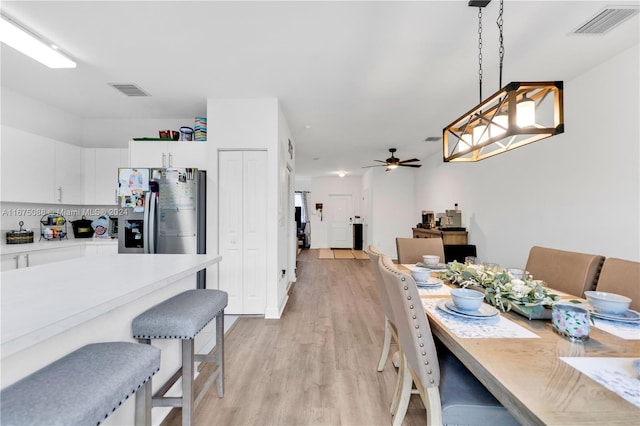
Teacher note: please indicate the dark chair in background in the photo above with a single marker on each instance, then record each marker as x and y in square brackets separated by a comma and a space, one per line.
[458, 252]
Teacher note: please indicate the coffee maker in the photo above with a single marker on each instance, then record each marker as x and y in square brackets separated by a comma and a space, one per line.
[453, 218]
[428, 219]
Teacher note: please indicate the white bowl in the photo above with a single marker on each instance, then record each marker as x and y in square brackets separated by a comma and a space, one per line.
[430, 260]
[608, 303]
[466, 299]
[421, 275]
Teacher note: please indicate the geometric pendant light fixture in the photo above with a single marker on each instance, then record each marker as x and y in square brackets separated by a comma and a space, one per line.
[518, 114]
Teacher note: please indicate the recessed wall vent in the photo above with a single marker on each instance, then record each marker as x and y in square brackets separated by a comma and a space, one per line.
[129, 89]
[607, 19]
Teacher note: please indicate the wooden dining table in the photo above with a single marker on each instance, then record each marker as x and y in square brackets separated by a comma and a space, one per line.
[528, 376]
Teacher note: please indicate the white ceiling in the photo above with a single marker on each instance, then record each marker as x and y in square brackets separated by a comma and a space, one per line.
[365, 76]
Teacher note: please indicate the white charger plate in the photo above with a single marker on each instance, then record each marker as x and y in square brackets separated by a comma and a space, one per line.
[629, 316]
[438, 267]
[485, 311]
[430, 283]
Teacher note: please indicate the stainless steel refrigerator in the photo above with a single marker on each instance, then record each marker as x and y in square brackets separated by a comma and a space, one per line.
[163, 210]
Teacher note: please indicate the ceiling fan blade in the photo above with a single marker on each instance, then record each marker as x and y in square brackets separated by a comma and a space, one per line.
[409, 161]
[410, 165]
[376, 165]
[380, 161]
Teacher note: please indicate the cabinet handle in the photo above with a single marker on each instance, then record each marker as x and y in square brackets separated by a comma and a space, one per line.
[26, 256]
[170, 160]
[17, 258]
[163, 160]
[60, 194]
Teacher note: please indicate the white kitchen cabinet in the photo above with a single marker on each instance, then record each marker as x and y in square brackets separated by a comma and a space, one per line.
[168, 154]
[13, 261]
[28, 166]
[68, 174]
[37, 169]
[101, 173]
[40, 257]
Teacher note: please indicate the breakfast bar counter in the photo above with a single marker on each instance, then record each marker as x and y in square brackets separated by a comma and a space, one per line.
[50, 310]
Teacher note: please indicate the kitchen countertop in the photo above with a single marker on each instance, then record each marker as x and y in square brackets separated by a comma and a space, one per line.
[53, 244]
[41, 302]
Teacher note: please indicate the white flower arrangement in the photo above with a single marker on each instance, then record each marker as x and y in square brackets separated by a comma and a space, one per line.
[501, 289]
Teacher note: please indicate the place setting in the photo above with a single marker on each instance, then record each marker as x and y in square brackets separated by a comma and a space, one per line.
[610, 312]
[431, 262]
[468, 304]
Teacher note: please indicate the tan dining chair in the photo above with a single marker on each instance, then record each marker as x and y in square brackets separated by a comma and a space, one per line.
[568, 271]
[411, 250]
[621, 277]
[390, 333]
[389, 323]
[450, 393]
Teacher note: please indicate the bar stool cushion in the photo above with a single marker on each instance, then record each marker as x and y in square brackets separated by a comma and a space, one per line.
[180, 317]
[82, 388]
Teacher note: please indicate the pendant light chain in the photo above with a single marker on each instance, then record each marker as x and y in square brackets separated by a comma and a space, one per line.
[500, 23]
[480, 50]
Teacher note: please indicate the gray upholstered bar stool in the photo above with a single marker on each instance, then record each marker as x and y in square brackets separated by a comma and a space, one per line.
[183, 317]
[84, 387]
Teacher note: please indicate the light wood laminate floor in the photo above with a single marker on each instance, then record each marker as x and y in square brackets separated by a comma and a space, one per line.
[314, 366]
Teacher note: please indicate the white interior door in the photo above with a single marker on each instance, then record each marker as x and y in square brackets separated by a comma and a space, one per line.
[338, 213]
[230, 229]
[254, 232]
[242, 230]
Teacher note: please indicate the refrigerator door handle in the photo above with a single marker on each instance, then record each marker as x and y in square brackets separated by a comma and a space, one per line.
[150, 222]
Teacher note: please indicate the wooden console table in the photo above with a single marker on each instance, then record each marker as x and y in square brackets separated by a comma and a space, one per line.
[448, 237]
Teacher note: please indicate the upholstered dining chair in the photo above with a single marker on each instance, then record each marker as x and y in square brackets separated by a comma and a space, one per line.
[389, 323]
[450, 393]
[411, 250]
[567, 271]
[390, 333]
[621, 277]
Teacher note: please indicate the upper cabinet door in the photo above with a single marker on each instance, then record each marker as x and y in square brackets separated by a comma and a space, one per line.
[188, 154]
[101, 174]
[148, 154]
[168, 154]
[28, 167]
[68, 173]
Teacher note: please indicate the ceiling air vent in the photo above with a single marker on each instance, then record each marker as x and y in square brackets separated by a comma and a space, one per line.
[607, 19]
[432, 138]
[129, 89]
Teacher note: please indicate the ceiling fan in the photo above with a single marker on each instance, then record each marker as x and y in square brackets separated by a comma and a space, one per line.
[393, 162]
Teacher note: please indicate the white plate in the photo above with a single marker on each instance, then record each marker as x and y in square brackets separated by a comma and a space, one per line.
[439, 267]
[430, 283]
[629, 316]
[485, 311]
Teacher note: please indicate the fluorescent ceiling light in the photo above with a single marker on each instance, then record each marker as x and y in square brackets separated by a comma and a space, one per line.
[25, 41]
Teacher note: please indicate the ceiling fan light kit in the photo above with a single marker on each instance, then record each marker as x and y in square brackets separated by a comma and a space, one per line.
[518, 114]
[393, 162]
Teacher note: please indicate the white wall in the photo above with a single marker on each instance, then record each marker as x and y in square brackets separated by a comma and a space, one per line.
[34, 116]
[117, 132]
[287, 241]
[393, 208]
[244, 124]
[577, 191]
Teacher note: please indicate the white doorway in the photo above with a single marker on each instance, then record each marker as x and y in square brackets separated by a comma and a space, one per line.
[339, 212]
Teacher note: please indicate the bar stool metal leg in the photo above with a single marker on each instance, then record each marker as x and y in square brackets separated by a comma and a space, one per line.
[219, 359]
[187, 381]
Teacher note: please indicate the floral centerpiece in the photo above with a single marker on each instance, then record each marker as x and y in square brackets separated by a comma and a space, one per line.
[526, 296]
